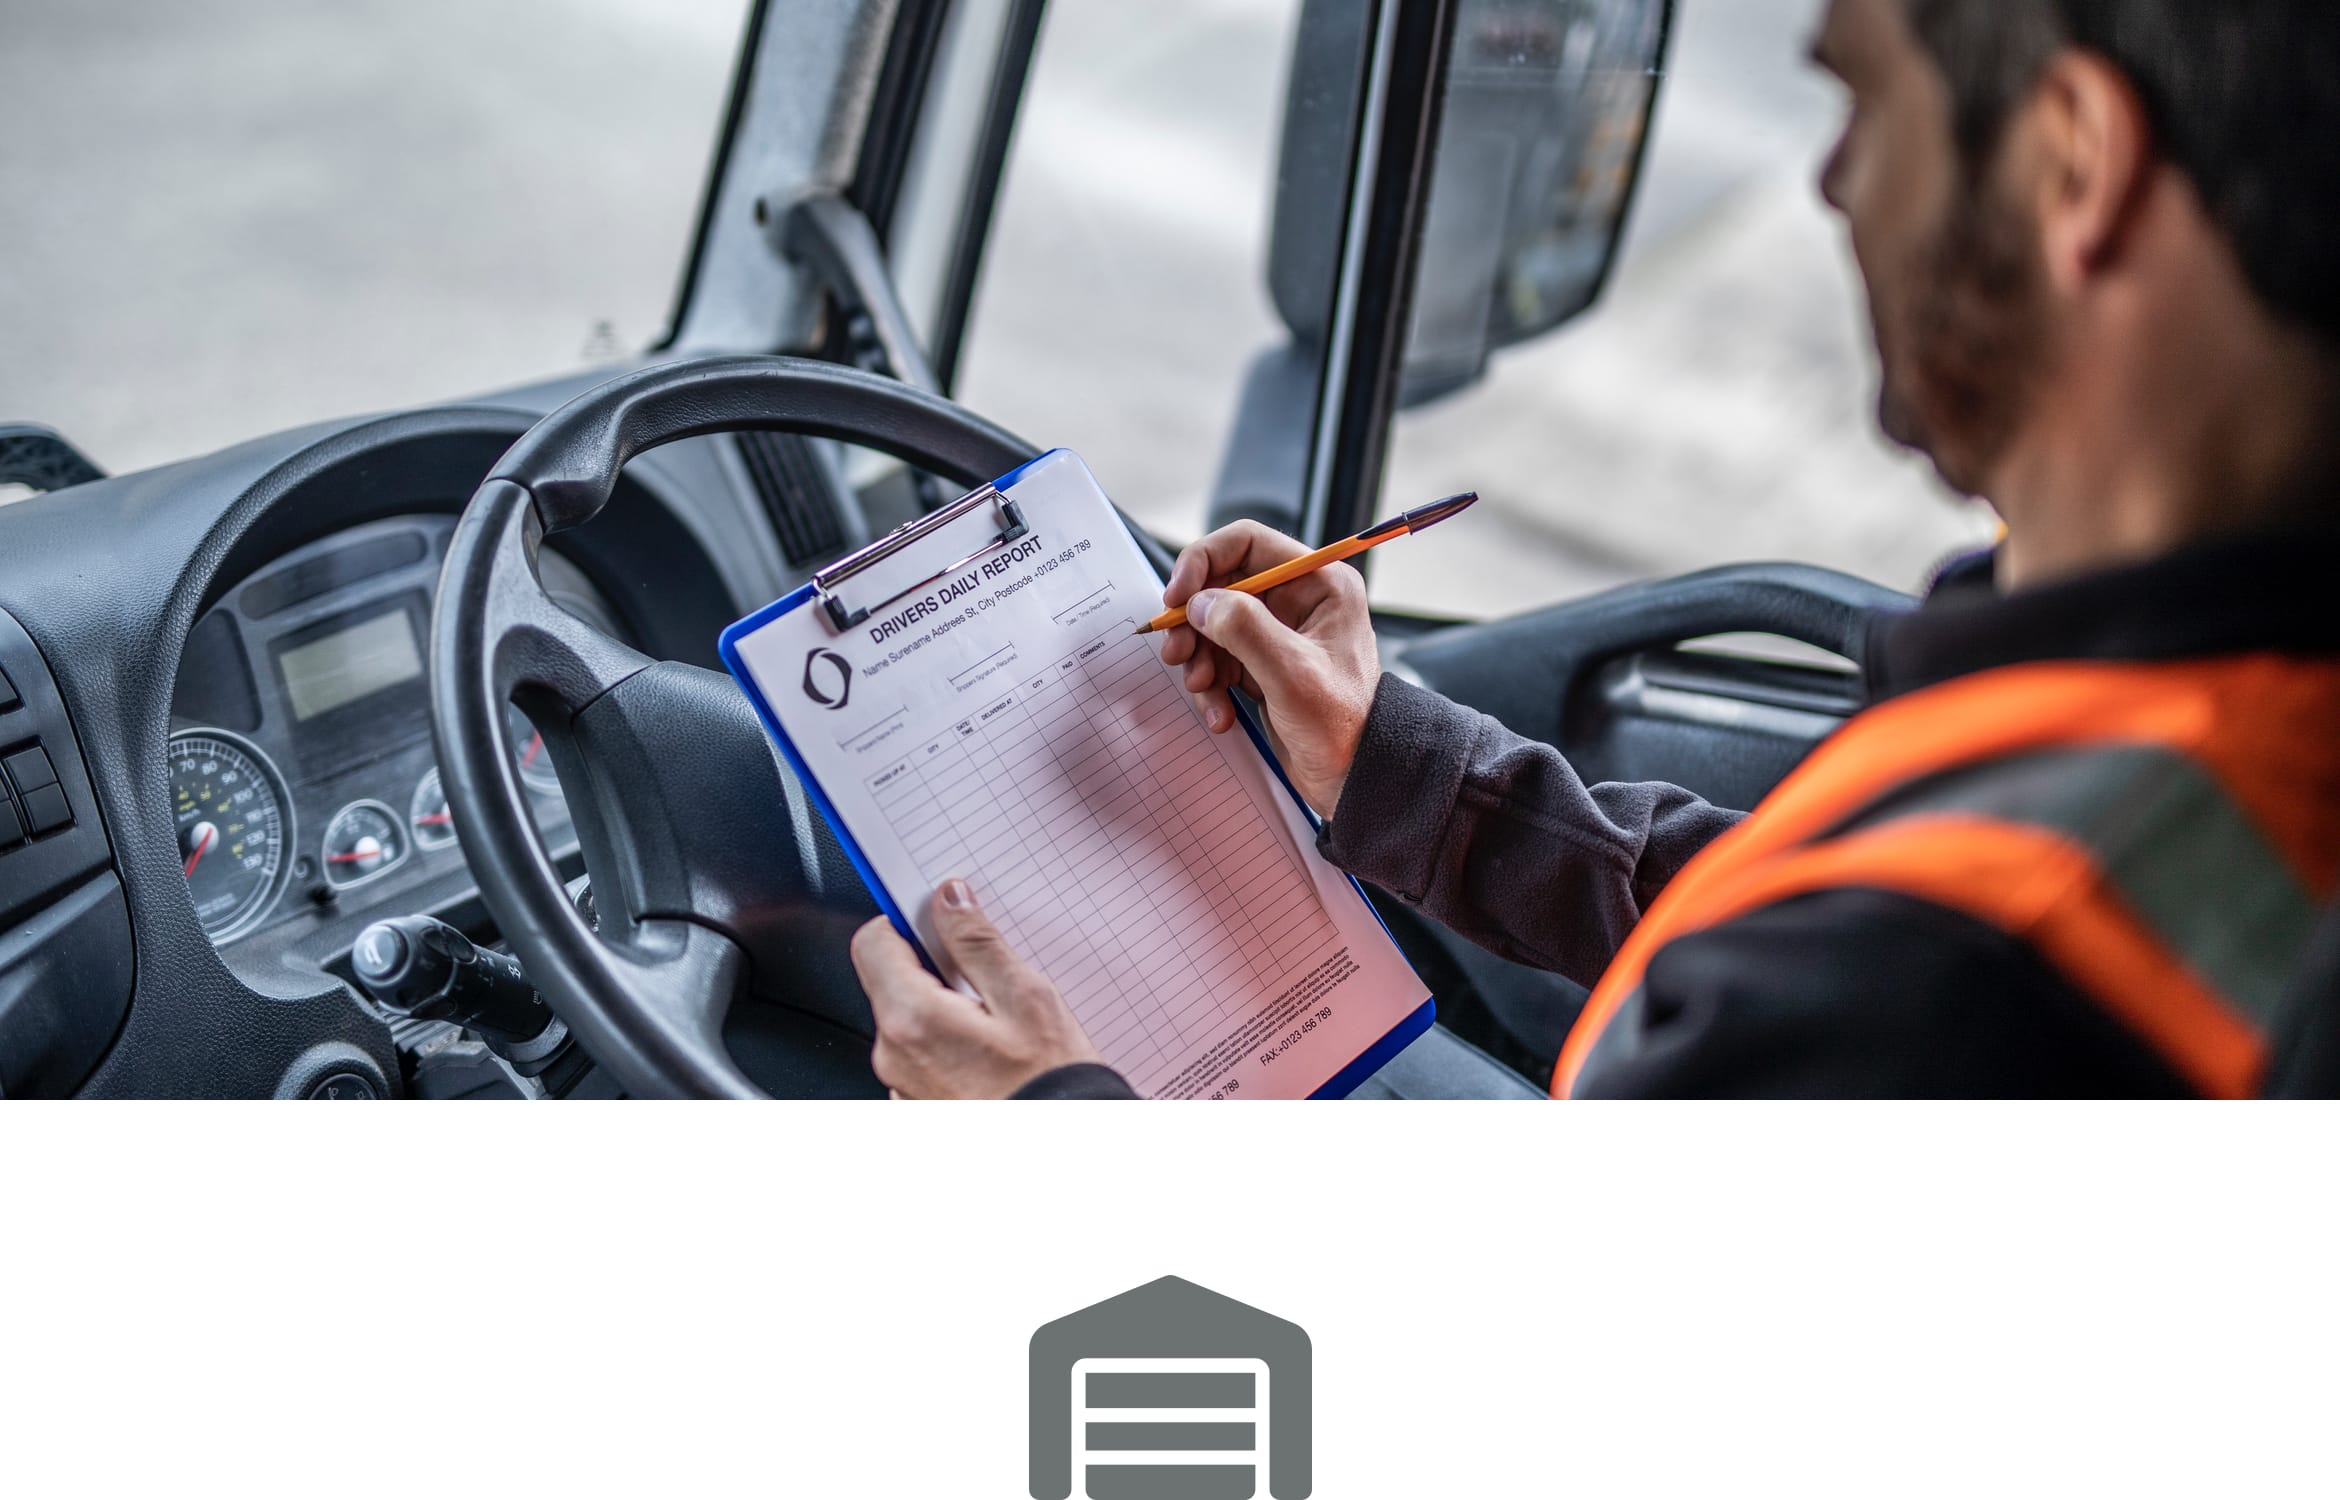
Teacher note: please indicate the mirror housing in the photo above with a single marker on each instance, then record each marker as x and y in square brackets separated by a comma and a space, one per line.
[1547, 109]
[1547, 114]
[1543, 120]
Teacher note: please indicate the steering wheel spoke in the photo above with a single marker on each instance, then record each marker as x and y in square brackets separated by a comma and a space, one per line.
[536, 648]
[685, 977]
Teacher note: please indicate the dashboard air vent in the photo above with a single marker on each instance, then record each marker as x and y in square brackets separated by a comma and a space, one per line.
[795, 491]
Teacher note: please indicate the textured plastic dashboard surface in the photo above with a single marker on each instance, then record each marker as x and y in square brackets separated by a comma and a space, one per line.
[64, 932]
[108, 579]
[1599, 679]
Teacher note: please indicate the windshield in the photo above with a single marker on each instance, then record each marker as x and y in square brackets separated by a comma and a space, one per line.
[234, 216]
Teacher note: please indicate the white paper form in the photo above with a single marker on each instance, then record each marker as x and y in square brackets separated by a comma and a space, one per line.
[1003, 724]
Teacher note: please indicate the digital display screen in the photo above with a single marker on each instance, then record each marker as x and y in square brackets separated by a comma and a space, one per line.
[332, 670]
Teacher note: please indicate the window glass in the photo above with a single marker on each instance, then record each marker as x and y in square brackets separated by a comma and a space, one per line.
[938, 177]
[1716, 405]
[232, 216]
[1124, 295]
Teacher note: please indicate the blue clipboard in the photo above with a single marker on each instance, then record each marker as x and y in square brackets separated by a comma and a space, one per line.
[1339, 1086]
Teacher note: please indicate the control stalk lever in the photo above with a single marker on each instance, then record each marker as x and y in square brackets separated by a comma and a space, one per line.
[419, 966]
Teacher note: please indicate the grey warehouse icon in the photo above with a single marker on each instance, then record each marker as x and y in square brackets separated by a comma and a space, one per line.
[1170, 1392]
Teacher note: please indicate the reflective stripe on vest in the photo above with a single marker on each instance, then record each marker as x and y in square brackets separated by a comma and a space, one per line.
[2163, 835]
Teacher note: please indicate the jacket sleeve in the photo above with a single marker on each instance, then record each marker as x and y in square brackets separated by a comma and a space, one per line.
[1077, 1081]
[1498, 838]
[1868, 994]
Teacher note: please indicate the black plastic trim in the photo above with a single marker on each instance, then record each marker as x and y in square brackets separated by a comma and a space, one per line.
[1534, 663]
[894, 112]
[39, 868]
[65, 951]
[798, 496]
[65, 979]
[1017, 44]
[1835, 692]
[39, 458]
[1413, 99]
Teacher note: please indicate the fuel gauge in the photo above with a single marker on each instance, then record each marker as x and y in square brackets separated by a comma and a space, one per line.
[363, 840]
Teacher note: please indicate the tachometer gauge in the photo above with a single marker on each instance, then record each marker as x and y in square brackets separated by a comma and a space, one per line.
[363, 840]
[234, 826]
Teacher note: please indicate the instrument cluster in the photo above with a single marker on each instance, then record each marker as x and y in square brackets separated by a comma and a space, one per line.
[300, 761]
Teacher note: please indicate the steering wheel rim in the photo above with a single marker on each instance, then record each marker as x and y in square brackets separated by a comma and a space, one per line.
[647, 1003]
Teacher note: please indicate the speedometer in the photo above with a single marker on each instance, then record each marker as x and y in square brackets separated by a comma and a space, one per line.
[233, 828]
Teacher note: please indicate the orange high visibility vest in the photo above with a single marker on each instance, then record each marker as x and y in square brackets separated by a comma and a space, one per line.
[2165, 835]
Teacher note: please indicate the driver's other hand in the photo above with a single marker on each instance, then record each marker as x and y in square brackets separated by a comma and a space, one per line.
[935, 1043]
[1305, 651]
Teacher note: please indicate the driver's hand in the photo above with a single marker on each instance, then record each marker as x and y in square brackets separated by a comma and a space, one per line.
[1304, 650]
[935, 1043]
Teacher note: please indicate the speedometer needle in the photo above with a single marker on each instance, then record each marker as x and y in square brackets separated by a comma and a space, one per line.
[204, 834]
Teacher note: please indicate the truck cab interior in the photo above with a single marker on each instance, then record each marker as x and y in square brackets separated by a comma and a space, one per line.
[456, 660]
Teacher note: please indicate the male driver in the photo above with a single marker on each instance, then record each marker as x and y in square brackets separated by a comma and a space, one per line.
[2079, 842]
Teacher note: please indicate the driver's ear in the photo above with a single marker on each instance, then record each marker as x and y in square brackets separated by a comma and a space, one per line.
[2086, 144]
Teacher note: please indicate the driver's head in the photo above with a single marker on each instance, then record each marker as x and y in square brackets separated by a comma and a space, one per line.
[2056, 203]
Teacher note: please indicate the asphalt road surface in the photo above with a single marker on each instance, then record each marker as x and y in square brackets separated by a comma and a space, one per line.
[229, 219]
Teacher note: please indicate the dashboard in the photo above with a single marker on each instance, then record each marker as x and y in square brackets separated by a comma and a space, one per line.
[302, 778]
[223, 662]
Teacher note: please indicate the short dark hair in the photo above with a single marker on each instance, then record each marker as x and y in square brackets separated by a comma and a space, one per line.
[2243, 95]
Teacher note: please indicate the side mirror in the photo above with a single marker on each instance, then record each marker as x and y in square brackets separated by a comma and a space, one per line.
[1548, 108]
[1548, 105]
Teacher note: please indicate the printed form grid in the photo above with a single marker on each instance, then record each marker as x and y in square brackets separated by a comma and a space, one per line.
[1115, 833]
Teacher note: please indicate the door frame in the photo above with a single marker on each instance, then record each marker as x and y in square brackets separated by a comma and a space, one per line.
[1394, 157]
[739, 294]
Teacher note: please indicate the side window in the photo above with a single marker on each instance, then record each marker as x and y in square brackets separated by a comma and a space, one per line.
[1122, 308]
[1717, 404]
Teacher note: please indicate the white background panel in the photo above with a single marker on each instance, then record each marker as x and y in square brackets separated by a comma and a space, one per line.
[835, 1300]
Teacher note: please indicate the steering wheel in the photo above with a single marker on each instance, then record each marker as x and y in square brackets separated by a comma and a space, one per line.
[711, 873]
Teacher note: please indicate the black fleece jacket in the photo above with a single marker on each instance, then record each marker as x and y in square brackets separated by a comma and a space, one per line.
[1848, 992]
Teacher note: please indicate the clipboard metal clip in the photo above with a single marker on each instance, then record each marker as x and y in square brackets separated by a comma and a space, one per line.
[844, 614]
